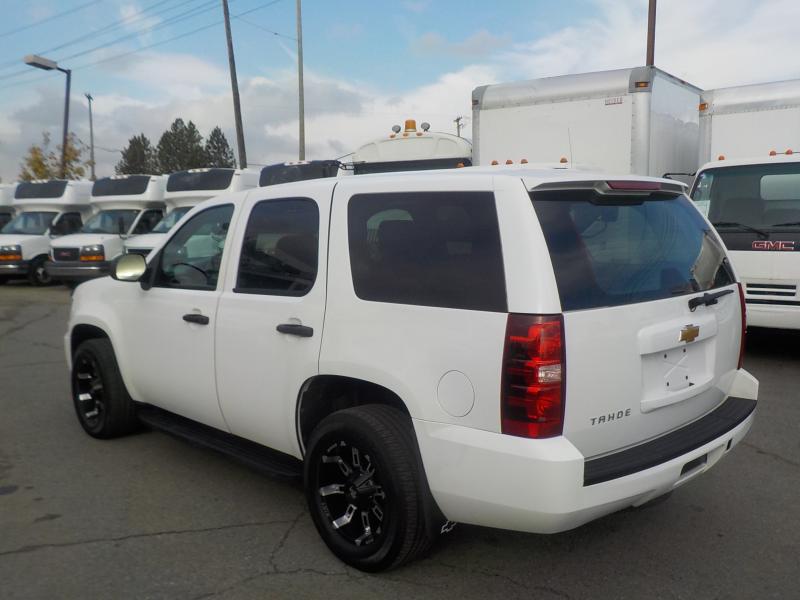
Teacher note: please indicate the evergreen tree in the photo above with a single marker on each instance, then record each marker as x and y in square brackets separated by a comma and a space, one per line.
[218, 151]
[180, 148]
[139, 156]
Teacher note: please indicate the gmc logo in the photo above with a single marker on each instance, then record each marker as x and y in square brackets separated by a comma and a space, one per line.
[770, 245]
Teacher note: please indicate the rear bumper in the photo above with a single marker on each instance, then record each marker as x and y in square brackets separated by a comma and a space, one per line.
[77, 271]
[773, 316]
[540, 486]
[14, 269]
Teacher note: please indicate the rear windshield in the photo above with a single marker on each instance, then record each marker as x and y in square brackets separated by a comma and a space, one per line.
[126, 186]
[283, 173]
[624, 253]
[765, 196]
[46, 189]
[211, 179]
[410, 165]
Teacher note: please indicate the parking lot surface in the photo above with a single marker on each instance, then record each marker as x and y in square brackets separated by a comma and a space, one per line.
[149, 516]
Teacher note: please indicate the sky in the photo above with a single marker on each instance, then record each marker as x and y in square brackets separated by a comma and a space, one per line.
[369, 64]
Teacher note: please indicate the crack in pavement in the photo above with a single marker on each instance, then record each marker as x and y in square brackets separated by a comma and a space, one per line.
[34, 548]
[774, 455]
[21, 326]
[524, 586]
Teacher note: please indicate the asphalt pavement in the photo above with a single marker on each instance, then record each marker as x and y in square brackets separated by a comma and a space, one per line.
[149, 516]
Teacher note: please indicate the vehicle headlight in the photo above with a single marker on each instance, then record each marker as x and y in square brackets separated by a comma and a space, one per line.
[11, 252]
[95, 252]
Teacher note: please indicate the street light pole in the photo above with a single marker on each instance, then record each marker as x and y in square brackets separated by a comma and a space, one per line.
[651, 34]
[300, 92]
[237, 110]
[48, 65]
[91, 135]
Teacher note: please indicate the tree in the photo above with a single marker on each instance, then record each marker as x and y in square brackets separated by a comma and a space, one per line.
[43, 163]
[139, 156]
[180, 148]
[218, 151]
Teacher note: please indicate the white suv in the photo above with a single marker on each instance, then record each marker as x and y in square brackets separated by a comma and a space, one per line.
[524, 349]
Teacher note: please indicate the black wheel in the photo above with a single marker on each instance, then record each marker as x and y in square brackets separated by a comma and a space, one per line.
[104, 408]
[365, 487]
[37, 275]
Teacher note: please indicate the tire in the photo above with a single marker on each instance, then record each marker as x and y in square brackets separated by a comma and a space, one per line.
[37, 275]
[390, 527]
[102, 404]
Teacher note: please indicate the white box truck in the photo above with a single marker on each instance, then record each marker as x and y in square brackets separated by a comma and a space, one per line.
[749, 120]
[641, 121]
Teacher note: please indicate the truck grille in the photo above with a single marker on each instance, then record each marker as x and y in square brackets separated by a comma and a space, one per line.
[776, 294]
[66, 254]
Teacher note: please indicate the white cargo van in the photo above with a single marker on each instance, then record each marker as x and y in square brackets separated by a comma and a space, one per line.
[7, 210]
[641, 121]
[123, 205]
[749, 121]
[754, 203]
[45, 208]
[186, 189]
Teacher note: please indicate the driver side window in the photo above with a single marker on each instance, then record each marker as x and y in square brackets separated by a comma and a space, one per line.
[192, 257]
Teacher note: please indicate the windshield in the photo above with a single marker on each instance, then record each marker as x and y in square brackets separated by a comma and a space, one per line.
[5, 218]
[107, 221]
[754, 198]
[168, 222]
[30, 223]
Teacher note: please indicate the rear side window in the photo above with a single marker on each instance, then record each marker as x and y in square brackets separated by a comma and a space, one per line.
[633, 251]
[427, 248]
[280, 248]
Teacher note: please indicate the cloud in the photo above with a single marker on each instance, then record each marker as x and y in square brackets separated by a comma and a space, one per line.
[479, 44]
[417, 6]
[136, 20]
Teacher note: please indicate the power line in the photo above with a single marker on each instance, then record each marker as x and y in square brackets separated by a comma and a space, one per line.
[47, 19]
[193, 12]
[143, 14]
[147, 47]
[256, 25]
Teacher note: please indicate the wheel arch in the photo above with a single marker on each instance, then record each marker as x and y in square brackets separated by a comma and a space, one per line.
[82, 332]
[322, 395]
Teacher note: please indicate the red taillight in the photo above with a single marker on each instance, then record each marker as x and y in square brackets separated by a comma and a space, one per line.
[744, 325]
[532, 394]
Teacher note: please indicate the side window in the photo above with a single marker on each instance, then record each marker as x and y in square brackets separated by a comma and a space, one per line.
[70, 223]
[427, 248]
[280, 248]
[191, 259]
[147, 221]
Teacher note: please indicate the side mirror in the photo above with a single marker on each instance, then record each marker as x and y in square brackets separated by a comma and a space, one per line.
[129, 267]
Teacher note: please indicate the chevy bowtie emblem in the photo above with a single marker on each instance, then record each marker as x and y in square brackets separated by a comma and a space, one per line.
[689, 333]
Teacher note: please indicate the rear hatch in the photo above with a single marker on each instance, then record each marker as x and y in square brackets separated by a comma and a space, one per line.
[644, 353]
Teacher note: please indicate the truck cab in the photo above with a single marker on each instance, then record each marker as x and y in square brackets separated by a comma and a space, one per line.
[184, 190]
[754, 203]
[45, 209]
[122, 205]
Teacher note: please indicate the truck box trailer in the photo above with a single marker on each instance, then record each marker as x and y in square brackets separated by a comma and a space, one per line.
[642, 121]
[749, 121]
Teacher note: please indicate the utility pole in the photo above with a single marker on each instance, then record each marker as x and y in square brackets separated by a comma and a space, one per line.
[300, 93]
[651, 34]
[237, 110]
[457, 121]
[91, 135]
